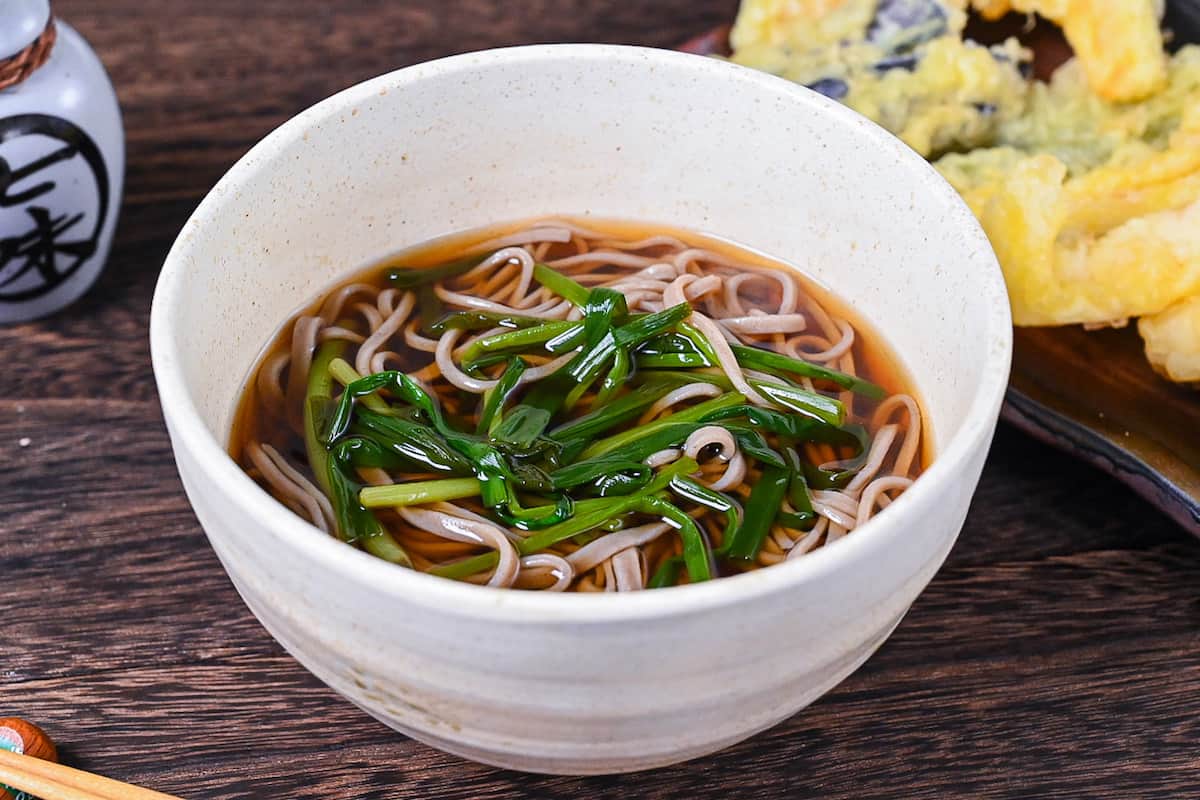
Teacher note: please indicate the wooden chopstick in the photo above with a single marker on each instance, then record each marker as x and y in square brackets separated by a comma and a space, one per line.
[49, 781]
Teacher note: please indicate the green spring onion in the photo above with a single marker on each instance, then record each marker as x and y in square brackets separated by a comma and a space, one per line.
[417, 444]
[691, 490]
[495, 397]
[607, 467]
[843, 472]
[523, 339]
[577, 480]
[345, 374]
[354, 522]
[482, 320]
[414, 493]
[429, 309]
[466, 567]
[609, 415]
[537, 518]
[667, 573]
[413, 278]
[561, 285]
[614, 381]
[792, 398]
[693, 414]
[590, 514]
[797, 494]
[696, 555]
[761, 508]
[765, 360]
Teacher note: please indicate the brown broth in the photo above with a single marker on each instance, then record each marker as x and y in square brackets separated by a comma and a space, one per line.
[873, 358]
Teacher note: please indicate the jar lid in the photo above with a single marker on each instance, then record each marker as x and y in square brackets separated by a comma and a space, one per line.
[21, 21]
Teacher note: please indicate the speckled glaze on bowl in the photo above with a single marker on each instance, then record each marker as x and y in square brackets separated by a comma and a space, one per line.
[580, 683]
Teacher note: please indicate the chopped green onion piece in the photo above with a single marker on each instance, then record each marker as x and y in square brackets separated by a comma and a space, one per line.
[593, 513]
[797, 521]
[761, 508]
[668, 344]
[696, 556]
[483, 320]
[385, 546]
[584, 472]
[792, 426]
[417, 444]
[672, 361]
[699, 340]
[561, 285]
[667, 573]
[495, 397]
[466, 567]
[537, 518]
[318, 405]
[476, 369]
[589, 362]
[615, 380]
[521, 426]
[797, 493]
[693, 414]
[563, 386]
[844, 471]
[793, 398]
[811, 404]
[412, 278]
[702, 495]
[664, 433]
[398, 495]
[766, 361]
[354, 522]
[623, 409]
[345, 374]
[429, 309]
[752, 443]
[522, 339]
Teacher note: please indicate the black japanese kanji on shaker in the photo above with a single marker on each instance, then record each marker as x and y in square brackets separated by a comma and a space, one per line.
[56, 242]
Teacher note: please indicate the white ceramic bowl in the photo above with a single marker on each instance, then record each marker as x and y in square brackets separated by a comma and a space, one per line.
[580, 683]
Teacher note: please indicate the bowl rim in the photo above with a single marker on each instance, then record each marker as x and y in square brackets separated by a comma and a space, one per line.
[189, 432]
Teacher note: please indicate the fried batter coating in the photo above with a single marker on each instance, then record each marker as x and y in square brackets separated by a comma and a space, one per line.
[1172, 339]
[1096, 215]
[1118, 42]
[801, 24]
[902, 63]
[1088, 186]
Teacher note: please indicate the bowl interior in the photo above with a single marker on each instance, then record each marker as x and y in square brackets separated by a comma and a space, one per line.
[585, 130]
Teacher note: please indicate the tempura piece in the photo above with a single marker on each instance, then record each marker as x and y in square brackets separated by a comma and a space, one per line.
[1104, 222]
[1088, 186]
[956, 96]
[1172, 339]
[799, 23]
[902, 63]
[1118, 42]
[1065, 118]
[1060, 272]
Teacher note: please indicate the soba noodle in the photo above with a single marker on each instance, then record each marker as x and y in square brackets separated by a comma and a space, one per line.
[568, 408]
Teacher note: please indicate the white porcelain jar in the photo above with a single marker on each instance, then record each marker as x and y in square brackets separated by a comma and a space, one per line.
[62, 162]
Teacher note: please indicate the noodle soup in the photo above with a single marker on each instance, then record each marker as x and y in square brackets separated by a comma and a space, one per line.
[580, 405]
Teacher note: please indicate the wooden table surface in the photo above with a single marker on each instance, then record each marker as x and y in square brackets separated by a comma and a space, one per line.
[1056, 654]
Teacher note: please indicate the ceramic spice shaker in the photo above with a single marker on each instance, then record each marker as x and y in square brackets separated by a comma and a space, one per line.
[21, 736]
[62, 162]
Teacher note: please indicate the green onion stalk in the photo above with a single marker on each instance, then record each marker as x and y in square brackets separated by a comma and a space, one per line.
[537, 464]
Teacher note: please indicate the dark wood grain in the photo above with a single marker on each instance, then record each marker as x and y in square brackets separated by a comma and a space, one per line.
[1057, 654]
